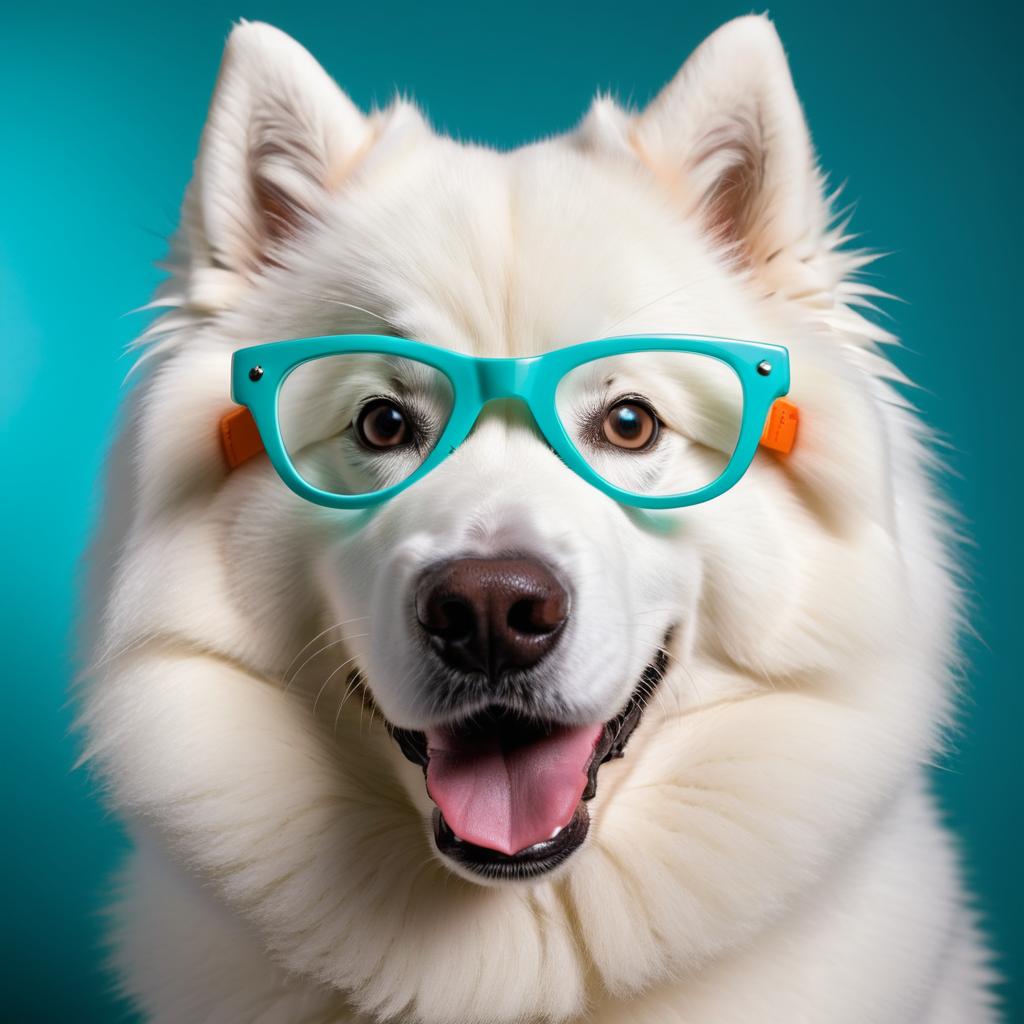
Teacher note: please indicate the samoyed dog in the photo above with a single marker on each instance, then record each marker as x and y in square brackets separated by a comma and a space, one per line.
[374, 759]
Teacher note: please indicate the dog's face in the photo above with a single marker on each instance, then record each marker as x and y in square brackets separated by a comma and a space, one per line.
[509, 625]
[501, 589]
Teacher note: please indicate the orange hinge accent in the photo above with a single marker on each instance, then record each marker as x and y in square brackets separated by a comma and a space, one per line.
[239, 436]
[780, 431]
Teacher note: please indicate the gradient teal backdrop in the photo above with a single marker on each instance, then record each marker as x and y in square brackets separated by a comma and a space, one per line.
[916, 106]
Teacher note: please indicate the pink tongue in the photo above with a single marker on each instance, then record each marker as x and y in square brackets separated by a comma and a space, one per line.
[509, 797]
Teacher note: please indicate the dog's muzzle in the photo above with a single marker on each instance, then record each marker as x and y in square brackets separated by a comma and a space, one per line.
[511, 789]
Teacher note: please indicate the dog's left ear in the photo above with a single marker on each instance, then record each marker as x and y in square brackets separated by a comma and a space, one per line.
[727, 135]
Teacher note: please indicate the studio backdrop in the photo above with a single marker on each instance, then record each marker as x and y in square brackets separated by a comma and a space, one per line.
[916, 105]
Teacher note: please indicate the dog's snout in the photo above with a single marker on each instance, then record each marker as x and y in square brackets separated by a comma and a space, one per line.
[491, 614]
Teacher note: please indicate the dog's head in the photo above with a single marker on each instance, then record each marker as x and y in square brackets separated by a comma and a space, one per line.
[502, 624]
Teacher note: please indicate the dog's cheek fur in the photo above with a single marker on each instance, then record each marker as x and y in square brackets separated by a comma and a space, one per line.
[311, 841]
[720, 821]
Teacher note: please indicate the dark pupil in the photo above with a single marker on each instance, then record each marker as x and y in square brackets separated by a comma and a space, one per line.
[628, 423]
[386, 423]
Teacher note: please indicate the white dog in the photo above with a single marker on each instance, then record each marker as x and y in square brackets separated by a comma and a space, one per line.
[268, 675]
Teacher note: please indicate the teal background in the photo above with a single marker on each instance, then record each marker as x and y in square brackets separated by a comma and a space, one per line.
[916, 106]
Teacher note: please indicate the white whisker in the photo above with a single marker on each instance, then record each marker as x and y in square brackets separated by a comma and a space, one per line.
[306, 645]
[647, 305]
[350, 305]
[319, 651]
[328, 679]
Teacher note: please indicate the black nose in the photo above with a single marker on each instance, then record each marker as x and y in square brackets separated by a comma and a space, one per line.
[491, 614]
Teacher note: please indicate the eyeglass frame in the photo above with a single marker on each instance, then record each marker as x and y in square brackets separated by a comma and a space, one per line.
[259, 371]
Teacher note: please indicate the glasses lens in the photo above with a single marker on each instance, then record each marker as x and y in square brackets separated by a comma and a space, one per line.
[654, 423]
[361, 422]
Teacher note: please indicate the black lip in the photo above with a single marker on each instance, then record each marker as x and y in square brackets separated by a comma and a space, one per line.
[547, 855]
[534, 860]
[618, 730]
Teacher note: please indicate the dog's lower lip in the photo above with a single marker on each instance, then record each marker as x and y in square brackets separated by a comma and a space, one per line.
[546, 855]
[533, 861]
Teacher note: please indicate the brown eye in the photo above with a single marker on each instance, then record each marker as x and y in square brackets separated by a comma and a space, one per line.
[382, 424]
[631, 425]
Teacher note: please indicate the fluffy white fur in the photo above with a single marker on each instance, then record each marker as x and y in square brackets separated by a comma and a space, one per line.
[768, 849]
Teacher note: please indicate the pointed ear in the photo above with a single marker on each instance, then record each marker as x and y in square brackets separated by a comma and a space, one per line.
[727, 134]
[279, 137]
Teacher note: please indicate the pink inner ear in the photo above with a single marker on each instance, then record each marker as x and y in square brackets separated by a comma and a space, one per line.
[282, 210]
[280, 217]
[729, 204]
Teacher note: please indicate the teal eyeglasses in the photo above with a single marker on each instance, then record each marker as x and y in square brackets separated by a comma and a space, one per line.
[656, 422]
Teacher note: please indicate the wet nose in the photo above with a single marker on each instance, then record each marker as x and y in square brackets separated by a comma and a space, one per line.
[491, 614]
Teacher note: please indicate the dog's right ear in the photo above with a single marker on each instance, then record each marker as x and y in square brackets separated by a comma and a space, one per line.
[280, 136]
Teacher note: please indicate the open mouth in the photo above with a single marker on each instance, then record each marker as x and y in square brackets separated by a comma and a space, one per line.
[511, 791]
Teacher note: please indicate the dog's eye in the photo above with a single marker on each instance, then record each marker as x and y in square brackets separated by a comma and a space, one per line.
[630, 424]
[383, 424]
